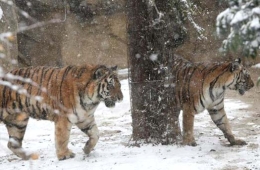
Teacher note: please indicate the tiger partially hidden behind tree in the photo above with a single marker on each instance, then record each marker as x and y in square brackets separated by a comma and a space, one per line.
[201, 86]
[66, 96]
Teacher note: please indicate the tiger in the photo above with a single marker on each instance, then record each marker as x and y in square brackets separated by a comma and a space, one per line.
[67, 96]
[201, 86]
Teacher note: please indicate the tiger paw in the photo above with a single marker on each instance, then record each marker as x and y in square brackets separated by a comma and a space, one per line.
[189, 143]
[90, 145]
[87, 150]
[65, 156]
[238, 142]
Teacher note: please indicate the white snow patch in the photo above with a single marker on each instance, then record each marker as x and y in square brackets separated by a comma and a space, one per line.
[255, 23]
[256, 10]
[254, 44]
[123, 71]
[239, 16]
[256, 66]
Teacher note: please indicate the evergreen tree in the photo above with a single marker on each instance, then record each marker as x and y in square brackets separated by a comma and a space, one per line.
[240, 24]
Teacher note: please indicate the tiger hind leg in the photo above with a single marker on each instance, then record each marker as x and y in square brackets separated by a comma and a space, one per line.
[188, 125]
[62, 134]
[16, 126]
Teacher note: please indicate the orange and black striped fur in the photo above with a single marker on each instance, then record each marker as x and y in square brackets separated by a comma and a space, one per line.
[202, 86]
[66, 96]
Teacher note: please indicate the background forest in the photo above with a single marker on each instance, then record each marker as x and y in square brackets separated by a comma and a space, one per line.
[96, 31]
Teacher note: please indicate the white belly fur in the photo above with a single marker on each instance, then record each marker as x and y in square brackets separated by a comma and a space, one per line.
[82, 115]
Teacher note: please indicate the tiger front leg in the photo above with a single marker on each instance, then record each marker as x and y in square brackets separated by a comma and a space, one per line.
[92, 131]
[188, 124]
[219, 117]
[62, 134]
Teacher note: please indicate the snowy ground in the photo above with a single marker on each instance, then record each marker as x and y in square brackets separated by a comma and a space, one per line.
[112, 151]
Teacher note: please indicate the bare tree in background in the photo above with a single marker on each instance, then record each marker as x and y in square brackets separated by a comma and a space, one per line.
[40, 32]
[153, 33]
[8, 44]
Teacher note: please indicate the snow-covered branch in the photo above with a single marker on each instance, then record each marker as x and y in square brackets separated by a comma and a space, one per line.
[240, 24]
[198, 29]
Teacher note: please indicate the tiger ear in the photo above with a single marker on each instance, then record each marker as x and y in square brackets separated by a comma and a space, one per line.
[236, 65]
[238, 60]
[114, 68]
[100, 72]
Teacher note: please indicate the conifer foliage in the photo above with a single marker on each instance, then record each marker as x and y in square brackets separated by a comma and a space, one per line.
[240, 24]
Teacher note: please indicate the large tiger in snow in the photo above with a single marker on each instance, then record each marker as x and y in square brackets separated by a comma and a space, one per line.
[66, 96]
[201, 86]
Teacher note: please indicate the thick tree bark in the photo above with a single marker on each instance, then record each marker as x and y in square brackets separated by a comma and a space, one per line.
[152, 36]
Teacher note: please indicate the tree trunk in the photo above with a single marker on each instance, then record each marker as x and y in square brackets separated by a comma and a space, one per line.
[152, 36]
[8, 40]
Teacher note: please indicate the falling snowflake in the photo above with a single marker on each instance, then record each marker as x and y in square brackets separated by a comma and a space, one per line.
[153, 57]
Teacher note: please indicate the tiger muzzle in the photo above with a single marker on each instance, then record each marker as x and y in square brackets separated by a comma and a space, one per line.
[242, 88]
[111, 102]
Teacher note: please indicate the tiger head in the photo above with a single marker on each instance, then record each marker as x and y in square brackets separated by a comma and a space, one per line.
[242, 79]
[109, 87]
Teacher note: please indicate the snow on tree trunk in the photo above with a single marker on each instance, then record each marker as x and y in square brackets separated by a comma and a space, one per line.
[153, 33]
